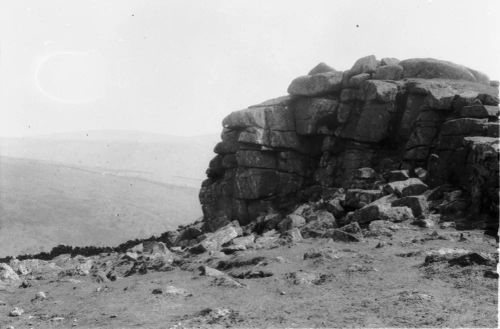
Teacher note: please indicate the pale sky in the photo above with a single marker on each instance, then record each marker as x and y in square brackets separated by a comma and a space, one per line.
[178, 67]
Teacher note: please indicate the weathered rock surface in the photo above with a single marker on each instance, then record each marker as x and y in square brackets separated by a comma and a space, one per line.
[416, 123]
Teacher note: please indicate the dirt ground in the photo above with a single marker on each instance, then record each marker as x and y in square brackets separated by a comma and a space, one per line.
[381, 282]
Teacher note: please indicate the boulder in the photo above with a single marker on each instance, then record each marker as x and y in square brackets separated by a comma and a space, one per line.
[357, 198]
[430, 68]
[352, 228]
[389, 61]
[381, 211]
[365, 173]
[451, 94]
[154, 247]
[388, 72]
[342, 236]
[245, 241]
[367, 64]
[7, 275]
[424, 222]
[324, 221]
[291, 221]
[214, 241]
[356, 80]
[382, 227]
[411, 186]
[321, 68]
[380, 91]
[208, 271]
[335, 207]
[276, 117]
[292, 235]
[480, 112]
[417, 203]
[316, 85]
[396, 175]
[16, 311]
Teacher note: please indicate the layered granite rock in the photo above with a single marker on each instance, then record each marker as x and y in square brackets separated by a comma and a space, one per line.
[388, 115]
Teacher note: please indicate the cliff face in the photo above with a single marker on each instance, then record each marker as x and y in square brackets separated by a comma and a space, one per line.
[437, 119]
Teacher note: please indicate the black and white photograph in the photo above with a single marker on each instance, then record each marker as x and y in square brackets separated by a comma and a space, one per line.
[182, 164]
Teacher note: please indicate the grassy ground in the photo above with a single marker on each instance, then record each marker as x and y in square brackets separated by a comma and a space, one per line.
[43, 205]
[353, 285]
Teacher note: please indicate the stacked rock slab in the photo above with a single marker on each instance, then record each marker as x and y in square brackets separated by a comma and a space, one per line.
[385, 114]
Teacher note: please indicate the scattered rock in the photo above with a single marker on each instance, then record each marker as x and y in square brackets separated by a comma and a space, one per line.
[214, 241]
[174, 291]
[17, 311]
[208, 271]
[290, 222]
[40, 295]
[424, 222]
[322, 254]
[444, 254]
[246, 241]
[302, 278]
[240, 262]
[356, 267]
[414, 297]
[417, 203]
[382, 227]
[157, 291]
[491, 274]
[411, 186]
[254, 274]
[342, 236]
[397, 175]
[266, 242]
[446, 225]
[472, 258]
[25, 284]
[292, 235]
[358, 198]
[226, 281]
[7, 274]
[231, 249]
[381, 211]
[322, 221]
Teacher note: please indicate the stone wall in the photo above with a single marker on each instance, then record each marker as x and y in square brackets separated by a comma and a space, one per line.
[383, 114]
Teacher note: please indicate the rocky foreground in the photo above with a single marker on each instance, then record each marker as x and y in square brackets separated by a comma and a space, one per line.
[365, 198]
[395, 263]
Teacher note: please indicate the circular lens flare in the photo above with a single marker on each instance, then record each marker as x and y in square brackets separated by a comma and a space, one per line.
[72, 77]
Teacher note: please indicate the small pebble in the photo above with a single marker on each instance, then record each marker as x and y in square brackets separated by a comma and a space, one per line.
[40, 295]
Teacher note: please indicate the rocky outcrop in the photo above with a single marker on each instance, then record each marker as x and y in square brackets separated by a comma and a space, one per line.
[430, 119]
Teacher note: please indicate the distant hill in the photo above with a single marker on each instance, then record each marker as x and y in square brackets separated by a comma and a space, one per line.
[156, 157]
[43, 204]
